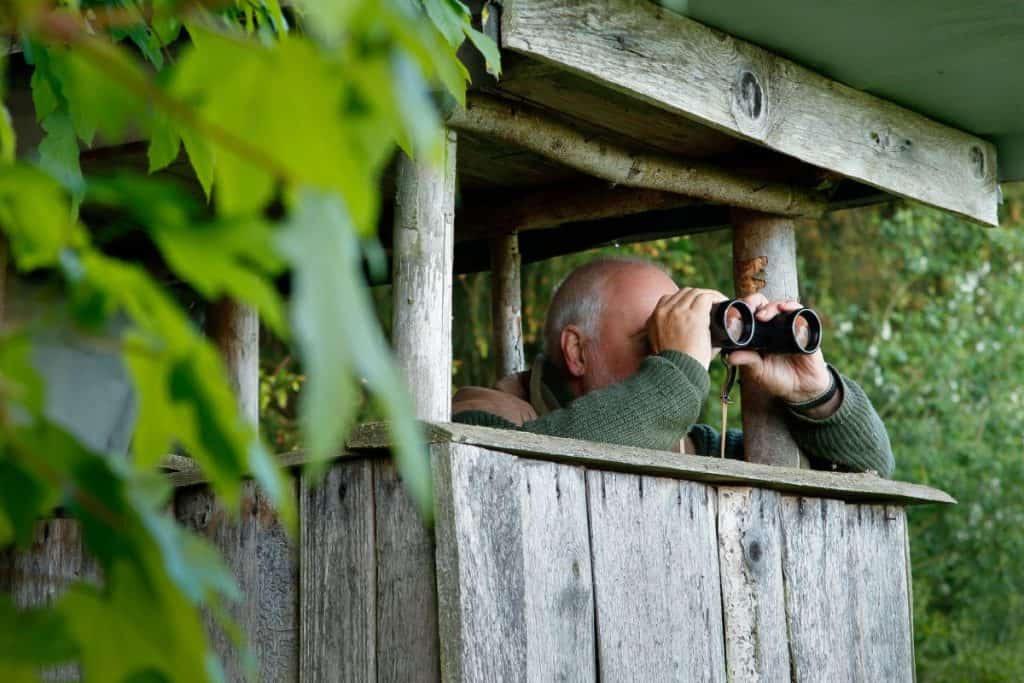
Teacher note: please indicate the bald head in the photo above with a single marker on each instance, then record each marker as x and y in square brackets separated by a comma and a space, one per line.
[605, 305]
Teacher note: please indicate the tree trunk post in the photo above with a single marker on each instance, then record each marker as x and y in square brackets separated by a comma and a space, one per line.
[764, 260]
[234, 328]
[507, 304]
[423, 258]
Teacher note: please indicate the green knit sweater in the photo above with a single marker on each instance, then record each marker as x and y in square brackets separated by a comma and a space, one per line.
[660, 404]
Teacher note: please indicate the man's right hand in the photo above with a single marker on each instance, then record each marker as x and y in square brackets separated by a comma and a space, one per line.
[682, 322]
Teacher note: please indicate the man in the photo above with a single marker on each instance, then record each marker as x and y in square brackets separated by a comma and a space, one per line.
[626, 361]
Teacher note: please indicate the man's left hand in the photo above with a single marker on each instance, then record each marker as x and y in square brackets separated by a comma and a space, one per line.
[796, 377]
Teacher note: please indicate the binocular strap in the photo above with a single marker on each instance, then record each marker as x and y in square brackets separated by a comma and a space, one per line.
[730, 381]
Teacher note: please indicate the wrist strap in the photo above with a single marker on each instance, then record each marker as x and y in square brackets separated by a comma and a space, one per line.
[820, 399]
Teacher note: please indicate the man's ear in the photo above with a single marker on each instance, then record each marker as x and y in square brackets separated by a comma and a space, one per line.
[572, 350]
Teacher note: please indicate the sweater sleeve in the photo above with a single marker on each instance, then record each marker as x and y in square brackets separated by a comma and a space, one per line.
[653, 408]
[852, 438]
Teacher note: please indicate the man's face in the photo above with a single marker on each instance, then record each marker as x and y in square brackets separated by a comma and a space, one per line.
[631, 294]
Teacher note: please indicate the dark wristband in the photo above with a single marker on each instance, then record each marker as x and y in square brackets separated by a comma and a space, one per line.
[821, 399]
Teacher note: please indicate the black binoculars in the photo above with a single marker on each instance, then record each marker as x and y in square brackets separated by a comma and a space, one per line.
[733, 327]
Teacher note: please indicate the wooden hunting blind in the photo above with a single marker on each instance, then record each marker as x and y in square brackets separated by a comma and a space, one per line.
[554, 559]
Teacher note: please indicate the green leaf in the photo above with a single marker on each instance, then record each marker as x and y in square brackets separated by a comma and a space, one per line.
[36, 216]
[8, 138]
[33, 637]
[164, 144]
[488, 48]
[58, 152]
[44, 99]
[450, 17]
[340, 341]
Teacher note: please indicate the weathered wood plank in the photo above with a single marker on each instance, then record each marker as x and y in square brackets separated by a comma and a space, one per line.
[42, 572]
[338, 576]
[560, 642]
[656, 578]
[883, 643]
[674, 63]
[753, 601]
[764, 260]
[845, 486]
[234, 328]
[541, 133]
[816, 575]
[259, 554]
[506, 304]
[407, 640]
[510, 607]
[480, 553]
[422, 256]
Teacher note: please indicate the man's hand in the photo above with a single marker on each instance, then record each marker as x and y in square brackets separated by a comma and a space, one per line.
[682, 322]
[795, 378]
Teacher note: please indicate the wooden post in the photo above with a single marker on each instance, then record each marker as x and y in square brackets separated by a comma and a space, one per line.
[764, 260]
[235, 329]
[423, 257]
[506, 304]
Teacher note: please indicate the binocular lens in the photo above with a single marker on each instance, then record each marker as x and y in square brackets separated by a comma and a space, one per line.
[807, 330]
[734, 325]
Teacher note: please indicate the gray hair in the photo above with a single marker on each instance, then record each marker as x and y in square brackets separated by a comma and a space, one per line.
[579, 300]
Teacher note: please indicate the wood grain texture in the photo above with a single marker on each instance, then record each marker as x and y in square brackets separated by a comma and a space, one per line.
[676, 64]
[753, 600]
[568, 144]
[816, 571]
[770, 243]
[338, 578]
[422, 285]
[41, 573]
[511, 606]
[656, 578]
[883, 642]
[560, 642]
[507, 304]
[262, 560]
[407, 638]
[845, 486]
[234, 328]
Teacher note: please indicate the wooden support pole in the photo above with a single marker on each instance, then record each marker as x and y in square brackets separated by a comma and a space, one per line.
[764, 260]
[423, 256]
[234, 328]
[530, 129]
[506, 304]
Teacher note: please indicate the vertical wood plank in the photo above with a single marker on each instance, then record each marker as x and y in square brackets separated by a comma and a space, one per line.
[816, 574]
[407, 640]
[257, 550]
[507, 304]
[753, 602]
[883, 641]
[42, 572]
[234, 328]
[337, 576]
[422, 264]
[485, 539]
[764, 260]
[514, 577]
[560, 641]
[656, 578]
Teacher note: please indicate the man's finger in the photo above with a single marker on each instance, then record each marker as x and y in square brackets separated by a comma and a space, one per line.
[747, 358]
[755, 300]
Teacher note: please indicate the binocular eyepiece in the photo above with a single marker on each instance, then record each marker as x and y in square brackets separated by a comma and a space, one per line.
[733, 327]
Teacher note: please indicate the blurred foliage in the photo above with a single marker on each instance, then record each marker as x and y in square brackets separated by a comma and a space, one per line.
[286, 118]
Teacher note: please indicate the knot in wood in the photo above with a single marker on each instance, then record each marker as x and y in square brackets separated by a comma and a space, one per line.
[977, 161]
[749, 95]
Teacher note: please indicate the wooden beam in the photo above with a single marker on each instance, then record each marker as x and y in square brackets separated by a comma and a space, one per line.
[764, 260]
[235, 329]
[506, 305]
[525, 127]
[683, 67]
[422, 257]
[549, 207]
